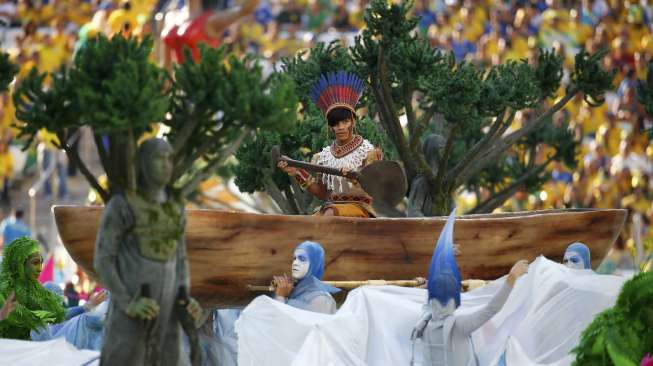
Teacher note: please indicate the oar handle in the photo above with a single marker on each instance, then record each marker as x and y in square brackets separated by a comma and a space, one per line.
[276, 157]
[351, 284]
[320, 168]
[467, 284]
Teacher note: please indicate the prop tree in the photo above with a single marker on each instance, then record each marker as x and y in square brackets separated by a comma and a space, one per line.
[210, 107]
[621, 335]
[458, 115]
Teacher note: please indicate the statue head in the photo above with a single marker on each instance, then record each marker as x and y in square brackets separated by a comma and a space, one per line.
[432, 149]
[308, 260]
[577, 256]
[154, 164]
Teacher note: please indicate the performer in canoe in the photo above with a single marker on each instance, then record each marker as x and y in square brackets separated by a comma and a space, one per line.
[336, 94]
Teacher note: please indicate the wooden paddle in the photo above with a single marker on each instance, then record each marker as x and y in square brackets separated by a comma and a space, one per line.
[383, 180]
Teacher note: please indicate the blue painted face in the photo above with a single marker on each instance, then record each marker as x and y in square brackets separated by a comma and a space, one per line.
[300, 264]
[577, 256]
[573, 260]
[310, 255]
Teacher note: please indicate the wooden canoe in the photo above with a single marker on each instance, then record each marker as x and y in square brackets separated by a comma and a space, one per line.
[228, 250]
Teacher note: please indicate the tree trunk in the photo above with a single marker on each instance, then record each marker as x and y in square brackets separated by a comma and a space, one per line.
[441, 202]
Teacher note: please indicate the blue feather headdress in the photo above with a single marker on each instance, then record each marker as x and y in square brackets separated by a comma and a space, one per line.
[444, 276]
[337, 90]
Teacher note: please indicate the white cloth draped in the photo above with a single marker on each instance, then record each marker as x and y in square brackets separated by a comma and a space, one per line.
[540, 323]
[56, 352]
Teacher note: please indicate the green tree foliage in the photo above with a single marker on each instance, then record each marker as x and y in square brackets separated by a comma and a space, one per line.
[210, 106]
[458, 114]
[623, 334]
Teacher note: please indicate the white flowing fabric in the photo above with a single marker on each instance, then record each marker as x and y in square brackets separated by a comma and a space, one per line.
[540, 323]
[56, 352]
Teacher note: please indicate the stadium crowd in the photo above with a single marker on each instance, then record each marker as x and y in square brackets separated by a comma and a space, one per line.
[614, 170]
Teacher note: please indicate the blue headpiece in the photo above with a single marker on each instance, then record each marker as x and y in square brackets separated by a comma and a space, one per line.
[444, 276]
[315, 257]
[337, 90]
[312, 280]
[582, 250]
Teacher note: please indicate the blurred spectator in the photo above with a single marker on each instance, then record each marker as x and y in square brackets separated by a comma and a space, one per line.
[13, 227]
[7, 14]
[427, 17]
[6, 172]
[123, 18]
[72, 296]
[292, 13]
[460, 46]
[55, 159]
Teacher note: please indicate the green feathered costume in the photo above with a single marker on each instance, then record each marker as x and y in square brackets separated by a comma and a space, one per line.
[623, 334]
[36, 306]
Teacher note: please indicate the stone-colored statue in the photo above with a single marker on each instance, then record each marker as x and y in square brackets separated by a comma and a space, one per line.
[140, 257]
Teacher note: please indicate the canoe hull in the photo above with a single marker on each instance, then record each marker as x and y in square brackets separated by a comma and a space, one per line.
[228, 251]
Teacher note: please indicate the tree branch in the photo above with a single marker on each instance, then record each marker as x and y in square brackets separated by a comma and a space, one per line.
[410, 113]
[73, 155]
[132, 184]
[302, 198]
[189, 160]
[498, 199]
[185, 133]
[104, 157]
[496, 131]
[415, 143]
[291, 199]
[445, 156]
[275, 193]
[384, 97]
[534, 124]
[208, 170]
[504, 144]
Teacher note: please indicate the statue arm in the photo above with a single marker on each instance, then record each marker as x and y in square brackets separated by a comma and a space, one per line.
[466, 324]
[110, 237]
[183, 276]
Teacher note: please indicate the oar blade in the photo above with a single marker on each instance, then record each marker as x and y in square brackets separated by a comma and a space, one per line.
[385, 181]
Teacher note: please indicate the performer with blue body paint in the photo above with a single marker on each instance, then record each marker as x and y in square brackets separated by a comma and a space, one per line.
[308, 292]
[446, 336]
[577, 256]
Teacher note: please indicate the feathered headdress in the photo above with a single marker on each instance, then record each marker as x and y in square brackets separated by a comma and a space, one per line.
[444, 276]
[337, 90]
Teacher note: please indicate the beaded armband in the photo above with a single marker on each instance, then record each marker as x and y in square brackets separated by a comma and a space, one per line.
[304, 178]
